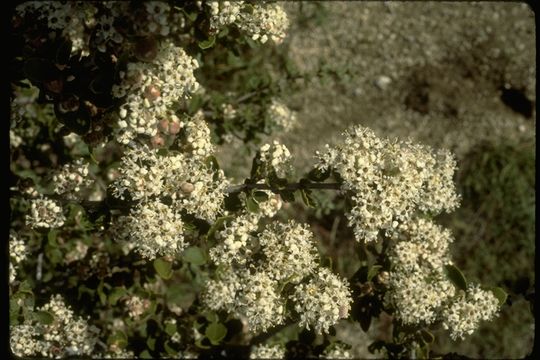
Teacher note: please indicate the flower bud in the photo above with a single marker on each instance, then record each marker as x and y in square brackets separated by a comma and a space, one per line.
[187, 188]
[174, 128]
[164, 125]
[152, 93]
[157, 141]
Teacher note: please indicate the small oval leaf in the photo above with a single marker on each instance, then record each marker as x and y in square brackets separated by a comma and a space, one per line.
[195, 255]
[456, 277]
[215, 332]
[163, 268]
[44, 317]
[500, 294]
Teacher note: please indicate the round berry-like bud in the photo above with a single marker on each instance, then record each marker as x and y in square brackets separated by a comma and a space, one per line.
[146, 49]
[174, 128]
[164, 125]
[157, 141]
[187, 188]
[151, 92]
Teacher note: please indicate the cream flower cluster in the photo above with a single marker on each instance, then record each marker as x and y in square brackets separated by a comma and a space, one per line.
[263, 351]
[265, 262]
[191, 184]
[136, 306]
[17, 254]
[223, 13]
[419, 288]
[152, 88]
[197, 135]
[275, 157]
[70, 17]
[72, 178]
[389, 180]
[158, 18]
[322, 301]
[336, 351]
[267, 21]
[45, 213]
[156, 229]
[280, 115]
[463, 316]
[67, 335]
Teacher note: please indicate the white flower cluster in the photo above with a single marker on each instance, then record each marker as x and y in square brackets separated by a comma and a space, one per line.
[280, 115]
[323, 301]
[389, 180]
[223, 13]
[465, 313]
[229, 112]
[289, 250]
[67, 335]
[157, 19]
[72, 178]
[152, 88]
[197, 134]
[281, 254]
[156, 229]
[45, 213]
[336, 351]
[70, 17]
[275, 157]
[263, 351]
[136, 306]
[267, 21]
[234, 240]
[17, 253]
[14, 140]
[418, 285]
[190, 185]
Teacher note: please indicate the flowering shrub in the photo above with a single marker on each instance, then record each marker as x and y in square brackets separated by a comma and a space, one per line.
[128, 240]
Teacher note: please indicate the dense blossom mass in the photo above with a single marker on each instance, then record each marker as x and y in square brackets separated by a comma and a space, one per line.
[389, 181]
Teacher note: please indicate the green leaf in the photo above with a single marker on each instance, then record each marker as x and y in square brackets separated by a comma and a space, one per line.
[206, 44]
[170, 329]
[163, 268]
[170, 351]
[119, 338]
[252, 205]
[287, 196]
[215, 332]
[151, 343]
[44, 317]
[373, 271]
[500, 294]
[101, 294]
[181, 295]
[218, 225]
[427, 337]
[116, 294]
[456, 277]
[195, 255]
[51, 238]
[212, 162]
[145, 355]
[318, 175]
[308, 198]
[260, 196]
